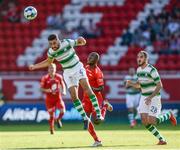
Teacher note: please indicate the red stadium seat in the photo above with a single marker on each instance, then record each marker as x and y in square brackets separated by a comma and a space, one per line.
[16, 37]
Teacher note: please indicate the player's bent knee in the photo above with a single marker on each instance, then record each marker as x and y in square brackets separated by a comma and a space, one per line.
[144, 122]
[152, 121]
[63, 112]
[74, 96]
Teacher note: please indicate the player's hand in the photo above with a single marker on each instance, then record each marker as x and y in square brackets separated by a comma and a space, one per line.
[81, 41]
[147, 101]
[48, 91]
[54, 93]
[64, 93]
[31, 67]
[128, 83]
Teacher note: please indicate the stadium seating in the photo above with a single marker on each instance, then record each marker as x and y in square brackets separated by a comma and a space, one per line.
[15, 37]
[112, 17]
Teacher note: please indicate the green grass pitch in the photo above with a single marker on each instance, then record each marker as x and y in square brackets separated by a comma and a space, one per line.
[113, 136]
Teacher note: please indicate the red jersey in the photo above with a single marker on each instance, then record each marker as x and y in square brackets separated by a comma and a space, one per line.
[54, 84]
[95, 77]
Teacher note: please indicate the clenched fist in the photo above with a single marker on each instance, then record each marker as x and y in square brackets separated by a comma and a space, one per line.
[31, 67]
[128, 83]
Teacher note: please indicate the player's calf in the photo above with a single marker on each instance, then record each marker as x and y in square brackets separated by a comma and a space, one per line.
[59, 123]
[167, 116]
[173, 119]
[51, 124]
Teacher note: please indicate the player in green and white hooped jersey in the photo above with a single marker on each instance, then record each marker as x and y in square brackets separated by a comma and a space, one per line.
[150, 102]
[132, 97]
[74, 72]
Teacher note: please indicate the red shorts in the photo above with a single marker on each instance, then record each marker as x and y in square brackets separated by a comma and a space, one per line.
[52, 105]
[88, 107]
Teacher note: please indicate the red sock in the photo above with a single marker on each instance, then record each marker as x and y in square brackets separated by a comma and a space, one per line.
[92, 131]
[60, 115]
[103, 110]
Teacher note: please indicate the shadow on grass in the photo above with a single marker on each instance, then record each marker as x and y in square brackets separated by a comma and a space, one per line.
[84, 147]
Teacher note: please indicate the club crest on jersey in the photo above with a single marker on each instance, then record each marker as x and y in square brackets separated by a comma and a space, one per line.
[54, 87]
[81, 72]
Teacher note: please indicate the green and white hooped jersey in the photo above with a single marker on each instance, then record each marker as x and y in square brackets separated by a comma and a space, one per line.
[148, 78]
[131, 90]
[66, 54]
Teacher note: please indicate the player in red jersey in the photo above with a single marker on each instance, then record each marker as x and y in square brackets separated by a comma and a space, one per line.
[53, 85]
[96, 81]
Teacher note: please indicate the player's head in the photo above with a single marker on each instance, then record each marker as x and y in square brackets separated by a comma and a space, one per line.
[93, 58]
[142, 58]
[132, 71]
[52, 69]
[54, 42]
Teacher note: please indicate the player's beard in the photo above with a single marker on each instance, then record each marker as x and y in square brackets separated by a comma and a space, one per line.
[56, 48]
[90, 62]
[141, 63]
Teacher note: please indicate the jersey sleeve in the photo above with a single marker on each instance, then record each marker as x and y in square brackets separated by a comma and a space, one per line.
[136, 77]
[99, 78]
[126, 77]
[72, 42]
[49, 54]
[43, 82]
[155, 75]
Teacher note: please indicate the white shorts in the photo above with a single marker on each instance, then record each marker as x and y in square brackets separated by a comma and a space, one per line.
[73, 75]
[132, 101]
[154, 109]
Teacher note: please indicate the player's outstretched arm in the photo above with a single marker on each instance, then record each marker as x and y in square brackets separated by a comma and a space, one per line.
[42, 64]
[46, 90]
[80, 41]
[132, 84]
[63, 88]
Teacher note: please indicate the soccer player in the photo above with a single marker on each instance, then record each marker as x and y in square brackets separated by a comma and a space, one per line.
[74, 72]
[96, 81]
[132, 98]
[150, 102]
[53, 85]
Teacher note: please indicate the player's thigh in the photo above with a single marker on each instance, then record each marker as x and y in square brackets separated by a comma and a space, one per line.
[73, 90]
[70, 79]
[155, 106]
[50, 107]
[129, 101]
[143, 108]
[61, 106]
[81, 72]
